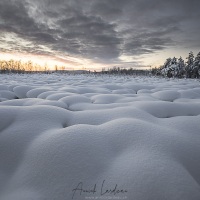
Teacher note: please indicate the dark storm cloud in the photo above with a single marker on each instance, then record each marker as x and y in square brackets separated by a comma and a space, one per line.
[103, 29]
[14, 18]
[13, 14]
[92, 36]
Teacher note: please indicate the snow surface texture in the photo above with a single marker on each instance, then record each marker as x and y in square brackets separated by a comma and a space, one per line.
[57, 131]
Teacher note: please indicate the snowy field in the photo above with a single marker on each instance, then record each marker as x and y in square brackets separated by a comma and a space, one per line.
[82, 137]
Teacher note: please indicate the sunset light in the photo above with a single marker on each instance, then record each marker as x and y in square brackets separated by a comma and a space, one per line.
[99, 99]
[98, 34]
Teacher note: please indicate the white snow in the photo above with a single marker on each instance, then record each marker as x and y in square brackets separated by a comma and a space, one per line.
[141, 133]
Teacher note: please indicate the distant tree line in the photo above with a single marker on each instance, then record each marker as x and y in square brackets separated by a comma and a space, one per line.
[174, 67]
[13, 66]
[124, 71]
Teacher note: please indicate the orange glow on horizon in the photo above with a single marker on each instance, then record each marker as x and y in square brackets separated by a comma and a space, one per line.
[68, 62]
[41, 60]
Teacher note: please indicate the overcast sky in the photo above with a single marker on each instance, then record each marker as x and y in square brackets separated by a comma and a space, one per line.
[100, 32]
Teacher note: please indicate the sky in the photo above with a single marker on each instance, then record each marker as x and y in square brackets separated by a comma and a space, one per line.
[95, 34]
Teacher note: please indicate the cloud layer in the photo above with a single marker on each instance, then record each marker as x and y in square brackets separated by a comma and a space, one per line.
[103, 31]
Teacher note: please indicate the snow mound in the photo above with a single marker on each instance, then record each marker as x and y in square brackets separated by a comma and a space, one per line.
[34, 93]
[167, 109]
[191, 94]
[65, 132]
[44, 95]
[7, 94]
[32, 101]
[134, 153]
[74, 99]
[21, 91]
[106, 98]
[168, 95]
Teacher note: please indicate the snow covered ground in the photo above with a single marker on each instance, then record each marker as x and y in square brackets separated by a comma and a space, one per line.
[87, 137]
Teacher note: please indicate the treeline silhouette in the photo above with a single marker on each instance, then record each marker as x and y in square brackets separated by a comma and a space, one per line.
[125, 71]
[173, 67]
[13, 66]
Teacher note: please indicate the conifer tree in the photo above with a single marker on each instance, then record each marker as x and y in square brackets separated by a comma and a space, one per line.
[189, 64]
[196, 66]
